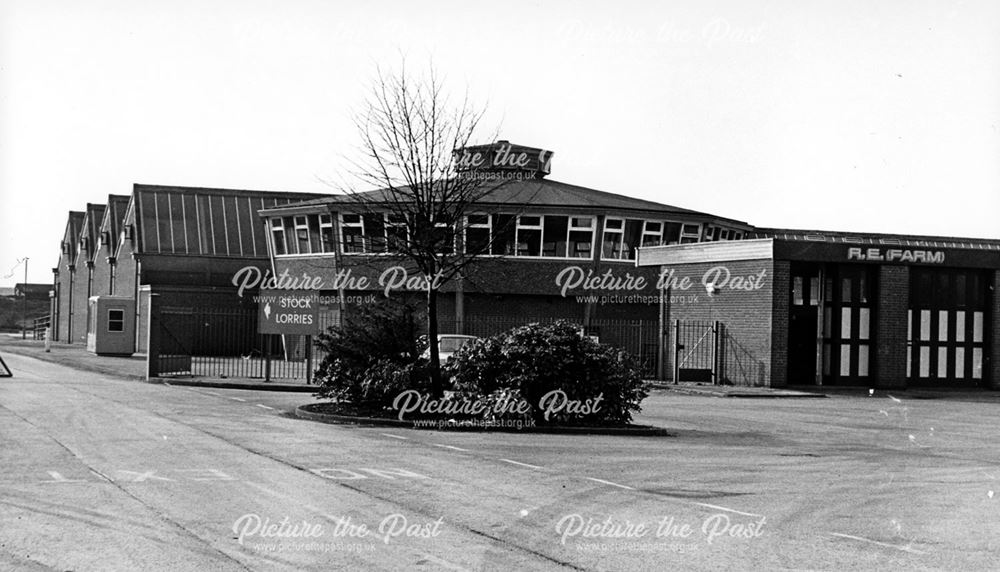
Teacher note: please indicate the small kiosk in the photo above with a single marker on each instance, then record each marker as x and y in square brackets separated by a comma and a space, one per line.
[110, 331]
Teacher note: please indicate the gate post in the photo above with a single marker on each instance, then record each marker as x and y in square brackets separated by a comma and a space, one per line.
[153, 337]
[309, 360]
[267, 358]
[715, 353]
[677, 350]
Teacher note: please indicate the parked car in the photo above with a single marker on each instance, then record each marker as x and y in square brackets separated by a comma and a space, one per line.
[448, 344]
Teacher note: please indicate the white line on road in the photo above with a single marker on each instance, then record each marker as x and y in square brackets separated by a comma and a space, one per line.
[442, 563]
[449, 447]
[238, 399]
[395, 436]
[717, 507]
[609, 483]
[521, 464]
[887, 545]
[265, 407]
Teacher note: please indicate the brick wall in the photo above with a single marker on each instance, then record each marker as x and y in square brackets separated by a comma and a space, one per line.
[78, 333]
[890, 324]
[745, 313]
[781, 299]
[66, 278]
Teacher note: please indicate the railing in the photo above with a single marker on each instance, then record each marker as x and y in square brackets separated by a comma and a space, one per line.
[39, 326]
[224, 343]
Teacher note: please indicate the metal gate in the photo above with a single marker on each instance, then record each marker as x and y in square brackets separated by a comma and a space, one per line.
[706, 352]
[696, 347]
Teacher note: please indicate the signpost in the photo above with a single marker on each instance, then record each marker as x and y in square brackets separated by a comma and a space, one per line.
[288, 312]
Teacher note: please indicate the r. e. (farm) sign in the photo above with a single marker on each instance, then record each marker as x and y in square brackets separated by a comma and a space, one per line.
[288, 312]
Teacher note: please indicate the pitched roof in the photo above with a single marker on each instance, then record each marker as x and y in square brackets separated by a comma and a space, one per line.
[539, 192]
[196, 221]
[90, 230]
[71, 236]
[111, 223]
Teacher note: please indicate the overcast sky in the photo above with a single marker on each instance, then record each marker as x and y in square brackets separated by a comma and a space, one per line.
[844, 115]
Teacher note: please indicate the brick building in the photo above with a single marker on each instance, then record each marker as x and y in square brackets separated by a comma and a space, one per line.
[837, 308]
[181, 243]
[64, 279]
[546, 241]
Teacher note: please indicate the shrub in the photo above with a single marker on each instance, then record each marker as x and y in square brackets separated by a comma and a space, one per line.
[538, 359]
[372, 356]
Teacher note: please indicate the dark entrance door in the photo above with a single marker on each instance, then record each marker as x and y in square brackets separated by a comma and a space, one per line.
[802, 323]
[802, 346]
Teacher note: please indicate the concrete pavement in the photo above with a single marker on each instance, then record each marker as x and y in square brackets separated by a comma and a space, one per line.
[108, 474]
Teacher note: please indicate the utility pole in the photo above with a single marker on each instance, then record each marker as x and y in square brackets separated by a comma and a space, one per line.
[24, 302]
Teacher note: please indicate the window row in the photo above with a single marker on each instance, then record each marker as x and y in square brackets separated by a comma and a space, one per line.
[532, 236]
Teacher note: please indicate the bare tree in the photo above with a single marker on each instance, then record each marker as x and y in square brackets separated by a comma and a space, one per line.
[411, 137]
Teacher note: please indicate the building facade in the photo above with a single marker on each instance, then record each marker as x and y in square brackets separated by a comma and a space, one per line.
[540, 246]
[835, 308]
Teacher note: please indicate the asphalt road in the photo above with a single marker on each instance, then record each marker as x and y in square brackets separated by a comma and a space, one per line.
[103, 474]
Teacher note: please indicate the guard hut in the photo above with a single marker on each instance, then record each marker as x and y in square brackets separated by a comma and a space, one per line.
[110, 331]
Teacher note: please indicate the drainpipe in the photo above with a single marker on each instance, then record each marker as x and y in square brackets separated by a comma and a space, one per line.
[69, 321]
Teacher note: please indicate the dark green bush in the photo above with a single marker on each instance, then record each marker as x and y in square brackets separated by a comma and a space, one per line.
[372, 356]
[538, 359]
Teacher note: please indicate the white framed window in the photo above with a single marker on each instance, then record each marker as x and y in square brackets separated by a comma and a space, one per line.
[397, 232]
[724, 234]
[444, 238]
[302, 234]
[690, 233]
[614, 239]
[478, 230]
[529, 235]
[737, 235]
[580, 237]
[352, 233]
[278, 237]
[326, 232]
[652, 233]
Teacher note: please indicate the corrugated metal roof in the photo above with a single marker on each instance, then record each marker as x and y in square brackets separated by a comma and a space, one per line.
[194, 221]
[844, 237]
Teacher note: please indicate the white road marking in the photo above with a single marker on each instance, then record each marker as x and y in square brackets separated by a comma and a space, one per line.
[717, 507]
[238, 399]
[610, 483]
[58, 478]
[265, 407]
[886, 544]
[211, 392]
[443, 563]
[521, 464]
[395, 436]
[449, 447]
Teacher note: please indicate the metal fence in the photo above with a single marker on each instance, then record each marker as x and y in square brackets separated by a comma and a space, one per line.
[39, 327]
[223, 342]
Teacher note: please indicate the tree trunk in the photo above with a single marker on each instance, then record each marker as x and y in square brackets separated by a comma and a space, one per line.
[437, 385]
